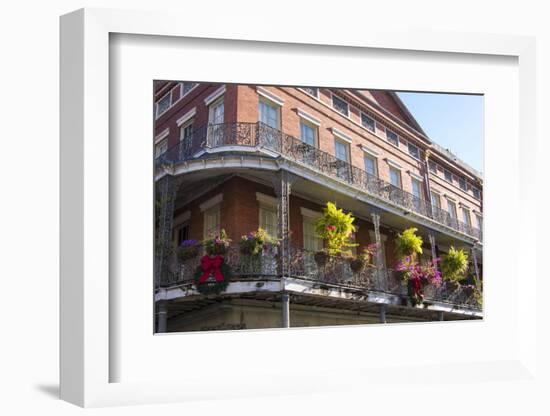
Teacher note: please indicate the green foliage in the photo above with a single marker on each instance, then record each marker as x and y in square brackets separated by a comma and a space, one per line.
[217, 245]
[335, 227]
[408, 243]
[253, 243]
[454, 265]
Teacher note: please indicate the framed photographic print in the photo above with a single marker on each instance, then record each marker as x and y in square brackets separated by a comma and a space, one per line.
[273, 214]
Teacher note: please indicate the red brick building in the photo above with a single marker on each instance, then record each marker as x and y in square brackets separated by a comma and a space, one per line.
[239, 157]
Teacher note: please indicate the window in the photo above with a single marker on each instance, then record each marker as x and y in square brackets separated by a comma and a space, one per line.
[466, 216]
[268, 220]
[164, 104]
[269, 114]
[341, 150]
[436, 200]
[395, 177]
[186, 87]
[477, 193]
[392, 137]
[416, 188]
[479, 222]
[370, 165]
[433, 167]
[462, 184]
[367, 122]
[182, 233]
[308, 133]
[212, 222]
[161, 147]
[452, 209]
[312, 91]
[216, 112]
[312, 242]
[186, 134]
[340, 105]
[413, 151]
[448, 176]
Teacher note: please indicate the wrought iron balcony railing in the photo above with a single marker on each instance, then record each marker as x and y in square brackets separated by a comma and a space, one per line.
[261, 135]
[336, 272]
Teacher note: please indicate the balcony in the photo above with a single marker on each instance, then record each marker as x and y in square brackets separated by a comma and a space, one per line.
[335, 274]
[260, 136]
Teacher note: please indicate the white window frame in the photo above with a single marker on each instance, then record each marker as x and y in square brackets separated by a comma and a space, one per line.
[361, 115]
[159, 144]
[445, 171]
[437, 196]
[335, 109]
[395, 169]
[182, 94]
[219, 100]
[273, 104]
[452, 203]
[409, 145]
[388, 132]
[308, 93]
[309, 217]
[314, 127]
[269, 203]
[374, 159]
[466, 210]
[346, 145]
[214, 209]
[157, 114]
[415, 179]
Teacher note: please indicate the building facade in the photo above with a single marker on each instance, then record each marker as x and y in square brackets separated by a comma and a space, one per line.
[240, 157]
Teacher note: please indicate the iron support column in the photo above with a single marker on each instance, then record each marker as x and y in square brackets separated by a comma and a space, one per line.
[381, 285]
[382, 314]
[166, 197]
[162, 316]
[285, 299]
[476, 267]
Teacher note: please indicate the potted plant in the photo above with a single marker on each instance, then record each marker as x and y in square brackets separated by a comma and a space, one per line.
[255, 242]
[188, 249]
[335, 228]
[359, 263]
[217, 245]
[408, 243]
[454, 265]
[321, 257]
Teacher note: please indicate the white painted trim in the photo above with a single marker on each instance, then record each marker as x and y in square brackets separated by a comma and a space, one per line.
[182, 94]
[162, 135]
[371, 152]
[306, 212]
[332, 95]
[308, 117]
[450, 197]
[393, 164]
[187, 116]
[270, 96]
[180, 219]
[211, 202]
[157, 115]
[463, 205]
[341, 135]
[266, 200]
[215, 95]
[416, 176]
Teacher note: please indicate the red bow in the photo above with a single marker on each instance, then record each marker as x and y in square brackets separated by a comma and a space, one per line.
[416, 285]
[211, 265]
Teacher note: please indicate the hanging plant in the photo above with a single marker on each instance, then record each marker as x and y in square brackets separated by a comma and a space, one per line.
[217, 245]
[454, 265]
[336, 227]
[321, 257]
[255, 242]
[188, 249]
[408, 243]
[360, 262]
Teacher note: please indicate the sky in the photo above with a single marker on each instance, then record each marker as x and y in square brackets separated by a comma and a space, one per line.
[454, 121]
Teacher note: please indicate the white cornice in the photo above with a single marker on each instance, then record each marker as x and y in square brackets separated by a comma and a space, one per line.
[369, 151]
[211, 202]
[308, 117]
[416, 176]
[341, 135]
[310, 213]
[394, 164]
[215, 95]
[270, 96]
[187, 116]
[267, 200]
[162, 135]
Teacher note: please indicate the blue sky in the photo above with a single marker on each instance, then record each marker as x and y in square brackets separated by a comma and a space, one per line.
[454, 121]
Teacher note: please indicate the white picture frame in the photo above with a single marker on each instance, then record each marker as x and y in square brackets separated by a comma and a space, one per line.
[87, 333]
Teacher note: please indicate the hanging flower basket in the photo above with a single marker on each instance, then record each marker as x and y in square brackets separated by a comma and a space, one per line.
[321, 258]
[189, 249]
[217, 245]
[468, 290]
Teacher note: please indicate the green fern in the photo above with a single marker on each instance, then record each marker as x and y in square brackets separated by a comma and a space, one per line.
[454, 265]
[336, 227]
[408, 243]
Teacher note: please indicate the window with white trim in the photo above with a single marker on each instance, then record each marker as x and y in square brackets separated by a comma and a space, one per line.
[341, 149]
[413, 150]
[367, 122]
[268, 220]
[186, 134]
[312, 91]
[161, 147]
[186, 87]
[448, 176]
[433, 167]
[451, 208]
[212, 222]
[312, 241]
[416, 188]
[476, 192]
[216, 111]
[479, 222]
[370, 165]
[269, 113]
[392, 137]
[340, 105]
[395, 177]
[462, 184]
[164, 104]
[436, 200]
[308, 132]
[466, 216]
